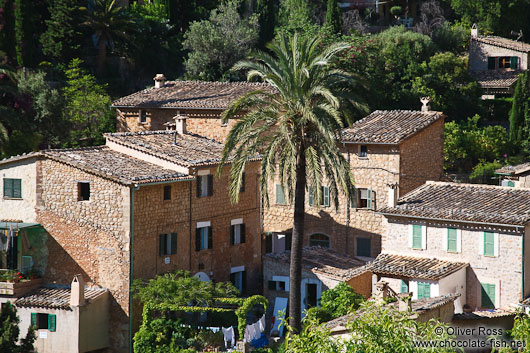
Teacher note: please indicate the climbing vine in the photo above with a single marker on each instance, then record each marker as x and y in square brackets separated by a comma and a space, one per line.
[242, 311]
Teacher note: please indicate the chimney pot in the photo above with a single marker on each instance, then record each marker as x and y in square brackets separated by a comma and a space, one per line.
[160, 79]
[474, 31]
[426, 101]
[77, 296]
[392, 195]
[180, 124]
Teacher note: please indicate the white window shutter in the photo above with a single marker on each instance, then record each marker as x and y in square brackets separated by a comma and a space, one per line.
[459, 240]
[445, 239]
[496, 244]
[424, 237]
[410, 235]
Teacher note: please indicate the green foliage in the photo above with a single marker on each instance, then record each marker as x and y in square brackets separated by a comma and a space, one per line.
[334, 16]
[521, 330]
[295, 17]
[396, 11]
[153, 11]
[87, 107]
[498, 109]
[245, 307]
[484, 173]
[445, 79]
[162, 335]
[453, 38]
[62, 39]
[313, 338]
[9, 332]
[216, 44]
[520, 112]
[19, 31]
[466, 143]
[340, 300]
[267, 12]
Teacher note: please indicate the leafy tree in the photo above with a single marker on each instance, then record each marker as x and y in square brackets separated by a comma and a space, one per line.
[445, 79]
[9, 332]
[336, 302]
[7, 32]
[334, 16]
[520, 112]
[182, 13]
[295, 16]
[109, 22]
[484, 173]
[267, 11]
[62, 39]
[431, 18]
[521, 330]
[87, 107]
[453, 38]
[216, 44]
[296, 130]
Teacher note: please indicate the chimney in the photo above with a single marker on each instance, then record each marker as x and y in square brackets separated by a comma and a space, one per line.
[180, 124]
[426, 101]
[160, 79]
[77, 296]
[405, 302]
[381, 292]
[474, 31]
[392, 195]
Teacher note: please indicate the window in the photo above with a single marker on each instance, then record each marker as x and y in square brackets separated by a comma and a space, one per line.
[142, 116]
[364, 198]
[237, 233]
[319, 240]
[424, 290]
[404, 286]
[203, 238]
[363, 151]
[275, 243]
[452, 240]
[364, 247]
[83, 191]
[204, 185]
[242, 188]
[503, 62]
[238, 276]
[43, 321]
[277, 285]
[280, 195]
[167, 192]
[487, 295]
[324, 196]
[417, 241]
[13, 188]
[167, 244]
[489, 244]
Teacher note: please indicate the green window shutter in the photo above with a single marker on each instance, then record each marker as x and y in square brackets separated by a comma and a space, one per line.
[354, 201]
[311, 196]
[8, 187]
[34, 319]
[488, 295]
[199, 182]
[325, 196]
[369, 201]
[451, 239]
[514, 61]
[198, 239]
[510, 183]
[51, 323]
[489, 244]
[424, 290]
[162, 244]
[280, 196]
[173, 243]
[232, 234]
[404, 286]
[416, 237]
[17, 188]
[491, 63]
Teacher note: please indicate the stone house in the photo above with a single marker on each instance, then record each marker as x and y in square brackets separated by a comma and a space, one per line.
[495, 62]
[515, 175]
[201, 102]
[443, 229]
[144, 204]
[386, 162]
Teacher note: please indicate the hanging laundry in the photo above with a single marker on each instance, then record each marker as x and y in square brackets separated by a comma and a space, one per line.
[256, 330]
[230, 338]
[247, 337]
[262, 323]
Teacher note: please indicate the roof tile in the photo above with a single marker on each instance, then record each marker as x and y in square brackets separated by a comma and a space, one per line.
[503, 43]
[55, 297]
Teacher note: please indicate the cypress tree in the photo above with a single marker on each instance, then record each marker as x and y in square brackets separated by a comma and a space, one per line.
[519, 115]
[266, 9]
[334, 16]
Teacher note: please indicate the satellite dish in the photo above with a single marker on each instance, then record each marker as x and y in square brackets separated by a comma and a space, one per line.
[203, 277]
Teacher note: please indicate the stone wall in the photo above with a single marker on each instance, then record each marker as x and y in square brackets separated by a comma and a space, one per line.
[88, 237]
[421, 158]
[203, 122]
[479, 53]
[503, 270]
[362, 284]
[22, 209]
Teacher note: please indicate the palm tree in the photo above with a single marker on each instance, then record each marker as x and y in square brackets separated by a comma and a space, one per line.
[109, 21]
[295, 129]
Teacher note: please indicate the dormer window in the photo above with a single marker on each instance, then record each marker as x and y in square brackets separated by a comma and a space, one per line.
[142, 116]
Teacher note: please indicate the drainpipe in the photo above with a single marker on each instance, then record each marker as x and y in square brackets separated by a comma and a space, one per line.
[131, 236]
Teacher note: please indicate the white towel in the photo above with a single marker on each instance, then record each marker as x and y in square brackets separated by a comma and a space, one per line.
[262, 323]
[247, 336]
[251, 332]
[229, 336]
[256, 329]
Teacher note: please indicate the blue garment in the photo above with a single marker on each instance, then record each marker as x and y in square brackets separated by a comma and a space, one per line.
[260, 342]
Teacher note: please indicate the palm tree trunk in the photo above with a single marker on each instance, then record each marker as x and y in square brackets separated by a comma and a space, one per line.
[295, 270]
[102, 53]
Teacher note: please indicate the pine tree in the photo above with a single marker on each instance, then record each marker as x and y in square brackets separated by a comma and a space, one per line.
[334, 16]
[519, 115]
[9, 332]
[266, 9]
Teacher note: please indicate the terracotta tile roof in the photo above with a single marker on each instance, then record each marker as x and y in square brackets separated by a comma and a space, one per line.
[419, 306]
[485, 314]
[514, 169]
[414, 267]
[465, 202]
[323, 261]
[20, 157]
[496, 78]
[190, 94]
[55, 297]
[189, 150]
[389, 126]
[503, 43]
[107, 163]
